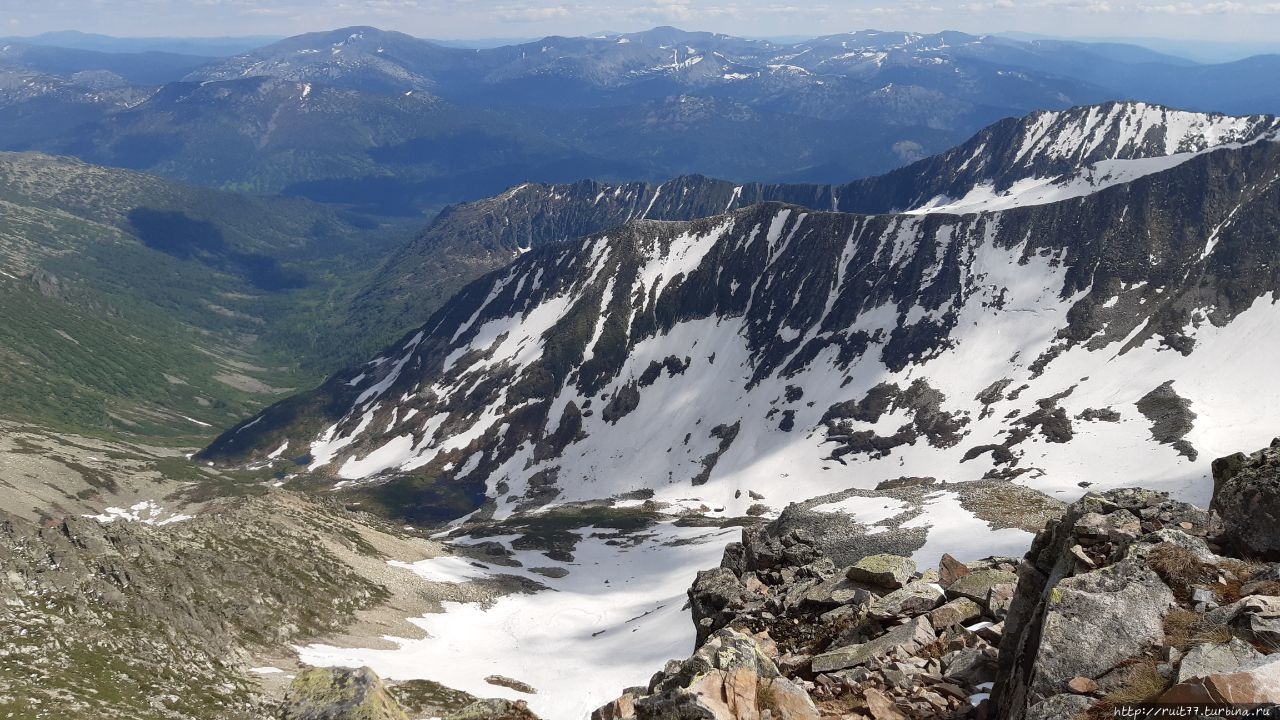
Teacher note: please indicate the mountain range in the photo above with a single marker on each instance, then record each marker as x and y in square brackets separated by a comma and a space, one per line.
[262, 408]
[394, 125]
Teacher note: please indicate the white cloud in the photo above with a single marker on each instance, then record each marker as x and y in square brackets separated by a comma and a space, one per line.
[1214, 8]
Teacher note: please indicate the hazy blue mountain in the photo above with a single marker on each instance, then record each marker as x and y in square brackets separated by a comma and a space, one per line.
[140, 68]
[393, 124]
[209, 47]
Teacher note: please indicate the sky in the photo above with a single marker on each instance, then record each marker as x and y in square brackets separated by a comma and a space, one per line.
[1214, 20]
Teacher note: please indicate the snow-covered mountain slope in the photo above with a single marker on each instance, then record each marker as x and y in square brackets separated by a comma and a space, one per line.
[746, 332]
[920, 373]
[1008, 164]
[1059, 155]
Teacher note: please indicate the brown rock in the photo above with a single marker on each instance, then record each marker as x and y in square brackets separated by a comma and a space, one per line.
[881, 706]
[1082, 685]
[950, 570]
[728, 694]
[623, 707]
[788, 701]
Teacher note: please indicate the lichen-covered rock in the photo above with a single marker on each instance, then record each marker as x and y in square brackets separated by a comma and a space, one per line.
[1212, 658]
[1059, 707]
[1246, 494]
[915, 598]
[1069, 617]
[1098, 620]
[955, 612]
[977, 584]
[340, 694]
[886, 571]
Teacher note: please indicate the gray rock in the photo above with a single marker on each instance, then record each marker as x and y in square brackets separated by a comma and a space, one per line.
[1096, 621]
[970, 666]
[1209, 659]
[906, 639]
[713, 598]
[1176, 537]
[978, 583]
[832, 593]
[1265, 630]
[887, 571]
[915, 598]
[1059, 707]
[960, 611]
[1247, 496]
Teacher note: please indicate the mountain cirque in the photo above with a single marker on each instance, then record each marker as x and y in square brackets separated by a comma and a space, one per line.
[604, 411]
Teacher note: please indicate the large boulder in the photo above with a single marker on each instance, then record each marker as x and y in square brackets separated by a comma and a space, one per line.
[1087, 599]
[904, 639]
[714, 597]
[886, 571]
[1256, 683]
[1246, 494]
[339, 694]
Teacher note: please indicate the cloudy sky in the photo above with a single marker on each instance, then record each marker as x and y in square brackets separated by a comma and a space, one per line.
[1216, 20]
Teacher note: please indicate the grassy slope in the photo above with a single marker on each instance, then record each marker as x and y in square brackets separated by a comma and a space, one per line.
[138, 305]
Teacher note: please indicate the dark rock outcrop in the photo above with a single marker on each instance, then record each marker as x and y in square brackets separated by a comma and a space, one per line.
[1246, 493]
[1126, 599]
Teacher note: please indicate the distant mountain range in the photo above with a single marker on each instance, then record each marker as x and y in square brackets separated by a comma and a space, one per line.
[206, 47]
[391, 124]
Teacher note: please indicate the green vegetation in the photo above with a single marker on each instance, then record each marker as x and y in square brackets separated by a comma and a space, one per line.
[139, 307]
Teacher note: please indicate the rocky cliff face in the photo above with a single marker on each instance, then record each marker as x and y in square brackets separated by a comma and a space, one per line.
[1123, 599]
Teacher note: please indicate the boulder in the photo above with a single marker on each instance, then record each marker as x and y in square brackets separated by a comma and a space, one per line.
[339, 694]
[977, 584]
[905, 639]
[916, 598]
[960, 611]
[1096, 621]
[1255, 684]
[886, 571]
[713, 598]
[1246, 494]
[1211, 659]
[834, 592]
[950, 570]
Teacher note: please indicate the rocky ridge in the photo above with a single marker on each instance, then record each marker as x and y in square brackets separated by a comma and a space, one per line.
[1128, 597]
